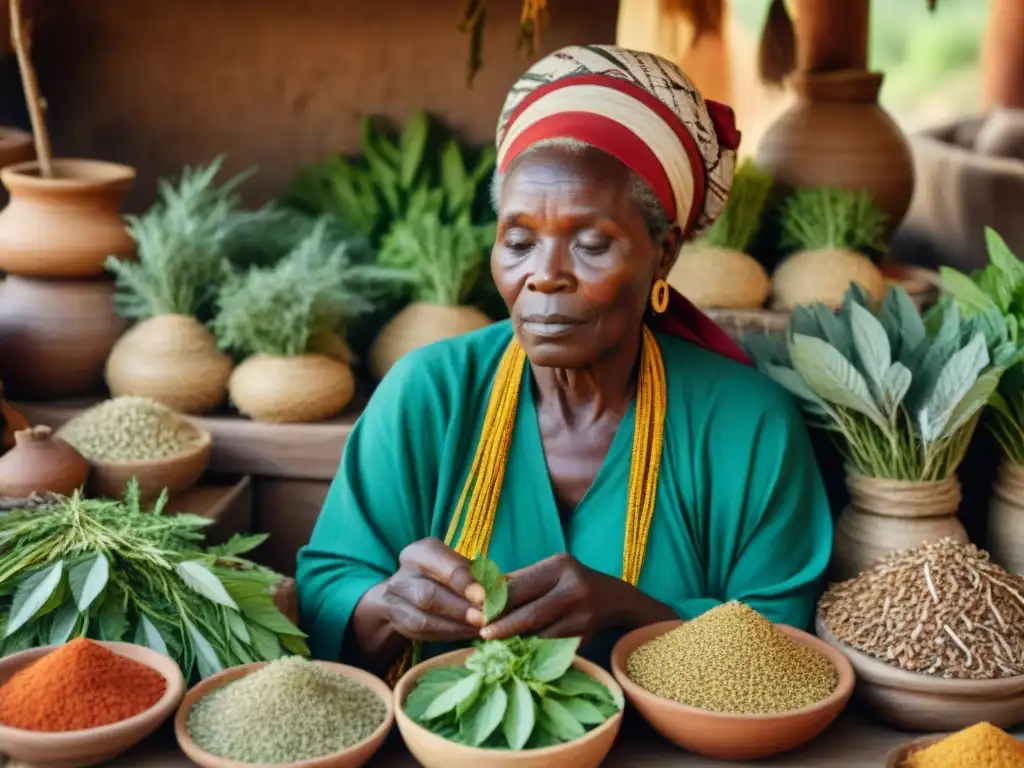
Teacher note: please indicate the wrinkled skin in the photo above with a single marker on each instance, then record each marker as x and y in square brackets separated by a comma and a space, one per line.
[575, 263]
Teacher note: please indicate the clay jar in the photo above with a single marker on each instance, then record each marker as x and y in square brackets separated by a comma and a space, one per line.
[837, 135]
[66, 226]
[1006, 518]
[40, 463]
[55, 336]
[886, 516]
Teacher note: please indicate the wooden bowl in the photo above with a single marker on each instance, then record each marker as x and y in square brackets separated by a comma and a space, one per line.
[903, 751]
[353, 757]
[77, 749]
[724, 736]
[917, 702]
[432, 751]
[175, 473]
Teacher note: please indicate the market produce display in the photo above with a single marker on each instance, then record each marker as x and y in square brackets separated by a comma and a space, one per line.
[41, 463]
[129, 429]
[717, 272]
[291, 710]
[981, 745]
[732, 660]
[78, 686]
[114, 570]
[829, 228]
[940, 609]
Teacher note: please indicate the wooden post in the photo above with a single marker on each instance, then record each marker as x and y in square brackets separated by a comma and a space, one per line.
[831, 34]
[1002, 55]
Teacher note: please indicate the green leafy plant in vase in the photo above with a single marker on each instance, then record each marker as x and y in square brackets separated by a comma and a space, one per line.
[828, 229]
[716, 272]
[999, 288]
[517, 694]
[282, 322]
[170, 355]
[902, 395]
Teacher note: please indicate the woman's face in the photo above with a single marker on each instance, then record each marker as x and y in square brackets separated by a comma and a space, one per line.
[573, 258]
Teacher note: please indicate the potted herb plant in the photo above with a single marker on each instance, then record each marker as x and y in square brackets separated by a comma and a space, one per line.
[829, 229]
[999, 288]
[902, 398]
[170, 356]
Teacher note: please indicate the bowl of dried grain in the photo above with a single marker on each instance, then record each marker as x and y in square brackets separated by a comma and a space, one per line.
[753, 689]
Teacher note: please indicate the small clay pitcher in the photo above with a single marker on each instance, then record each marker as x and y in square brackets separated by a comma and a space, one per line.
[65, 226]
[55, 337]
[886, 516]
[837, 135]
[1006, 518]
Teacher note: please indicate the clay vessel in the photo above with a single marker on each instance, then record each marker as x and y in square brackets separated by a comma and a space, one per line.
[67, 226]
[40, 463]
[15, 146]
[886, 516]
[837, 135]
[55, 337]
[1006, 518]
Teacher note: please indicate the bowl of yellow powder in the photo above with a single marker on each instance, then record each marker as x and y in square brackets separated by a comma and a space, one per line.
[731, 685]
[983, 745]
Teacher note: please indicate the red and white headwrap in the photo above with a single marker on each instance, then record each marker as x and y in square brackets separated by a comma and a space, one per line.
[642, 110]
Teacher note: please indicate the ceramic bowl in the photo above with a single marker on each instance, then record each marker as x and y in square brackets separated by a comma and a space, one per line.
[77, 749]
[175, 473]
[903, 751]
[432, 751]
[916, 702]
[724, 736]
[353, 757]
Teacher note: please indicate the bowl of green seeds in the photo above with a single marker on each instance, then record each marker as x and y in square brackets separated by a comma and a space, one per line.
[292, 712]
[731, 685]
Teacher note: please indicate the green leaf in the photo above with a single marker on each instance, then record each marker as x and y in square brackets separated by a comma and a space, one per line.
[294, 645]
[578, 683]
[520, 714]
[262, 610]
[148, 635]
[557, 719]
[895, 385]
[236, 625]
[1000, 255]
[967, 293]
[796, 386]
[449, 699]
[63, 623]
[542, 737]
[977, 397]
[239, 544]
[552, 658]
[487, 574]
[32, 595]
[832, 377]
[872, 344]
[88, 580]
[484, 718]
[954, 382]
[206, 657]
[113, 623]
[429, 686]
[584, 712]
[265, 643]
[201, 580]
[413, 146]
[902, 323]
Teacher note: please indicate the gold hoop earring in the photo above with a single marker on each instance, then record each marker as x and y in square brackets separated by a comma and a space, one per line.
[659, 296]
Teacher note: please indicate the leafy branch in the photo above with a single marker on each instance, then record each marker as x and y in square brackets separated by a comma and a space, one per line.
[834, 218]
[740, 221]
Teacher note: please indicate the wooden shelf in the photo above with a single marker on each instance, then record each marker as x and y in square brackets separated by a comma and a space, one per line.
[244, 447]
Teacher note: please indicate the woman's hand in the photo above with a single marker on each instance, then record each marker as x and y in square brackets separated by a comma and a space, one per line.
[433, 597]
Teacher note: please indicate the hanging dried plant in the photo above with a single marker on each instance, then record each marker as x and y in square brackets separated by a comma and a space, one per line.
[533, 20]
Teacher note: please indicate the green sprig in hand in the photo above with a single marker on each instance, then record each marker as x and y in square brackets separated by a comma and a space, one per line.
[519, 693]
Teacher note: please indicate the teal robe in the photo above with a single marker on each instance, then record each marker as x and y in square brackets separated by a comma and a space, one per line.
[741, 512]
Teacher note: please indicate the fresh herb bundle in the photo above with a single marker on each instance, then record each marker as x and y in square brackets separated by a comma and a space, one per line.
[832, 218]
[283, 309]
[739, 223]
[112, 570]
[181, 242]
[998, 288]
[903, 394]
[520, 693]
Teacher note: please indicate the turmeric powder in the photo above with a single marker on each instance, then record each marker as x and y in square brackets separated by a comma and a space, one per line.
[980, 746]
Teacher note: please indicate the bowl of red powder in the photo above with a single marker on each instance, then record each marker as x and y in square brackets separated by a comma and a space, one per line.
[83, 703]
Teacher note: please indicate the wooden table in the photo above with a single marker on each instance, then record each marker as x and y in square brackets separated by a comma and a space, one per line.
[854, 741]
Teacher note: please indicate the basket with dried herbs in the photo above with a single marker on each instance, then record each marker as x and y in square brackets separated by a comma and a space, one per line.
[902, 396]
[116, 570]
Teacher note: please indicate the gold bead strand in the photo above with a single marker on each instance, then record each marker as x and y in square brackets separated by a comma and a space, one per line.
[656, 375]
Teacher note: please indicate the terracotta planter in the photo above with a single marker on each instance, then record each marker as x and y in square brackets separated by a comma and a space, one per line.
[1006, 518]
[67, 226]
[886, 516]
[837, 135]
[55, 337]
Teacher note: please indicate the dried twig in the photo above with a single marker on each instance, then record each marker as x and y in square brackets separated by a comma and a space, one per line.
[21, 39]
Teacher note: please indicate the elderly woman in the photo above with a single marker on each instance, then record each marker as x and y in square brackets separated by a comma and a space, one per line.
[608, 447]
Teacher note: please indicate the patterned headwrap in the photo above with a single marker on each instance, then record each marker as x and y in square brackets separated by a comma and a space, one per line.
[642, 110]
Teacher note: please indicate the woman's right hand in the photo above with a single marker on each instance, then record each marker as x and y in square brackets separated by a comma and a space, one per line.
[433, 597]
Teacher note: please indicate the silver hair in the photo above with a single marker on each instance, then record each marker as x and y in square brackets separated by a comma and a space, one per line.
[639, 191]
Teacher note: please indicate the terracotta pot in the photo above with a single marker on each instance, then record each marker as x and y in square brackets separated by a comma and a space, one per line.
[55, 337]
[15, 146]
[66, 226]
[1006, 518]
[886, 516]
[837, 135]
